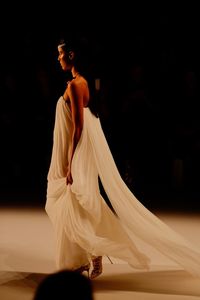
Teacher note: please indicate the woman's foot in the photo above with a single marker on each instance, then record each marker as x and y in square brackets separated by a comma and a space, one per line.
[85, 268]
[97, 267]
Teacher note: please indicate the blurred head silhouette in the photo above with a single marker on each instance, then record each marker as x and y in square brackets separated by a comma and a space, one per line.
[64, 284]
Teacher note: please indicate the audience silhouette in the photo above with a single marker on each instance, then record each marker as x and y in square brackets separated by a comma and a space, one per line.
[64, 284]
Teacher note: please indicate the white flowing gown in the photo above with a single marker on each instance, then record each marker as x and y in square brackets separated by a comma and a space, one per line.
[83, 222]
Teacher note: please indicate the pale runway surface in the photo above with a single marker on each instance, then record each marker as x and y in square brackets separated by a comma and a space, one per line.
[27, 255]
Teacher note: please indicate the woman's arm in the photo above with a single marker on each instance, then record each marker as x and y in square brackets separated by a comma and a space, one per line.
[76, 99]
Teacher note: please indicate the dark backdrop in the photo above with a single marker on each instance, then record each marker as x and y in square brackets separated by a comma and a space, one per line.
[148, 61]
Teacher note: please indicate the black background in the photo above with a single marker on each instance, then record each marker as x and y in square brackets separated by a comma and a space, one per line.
[147, 57]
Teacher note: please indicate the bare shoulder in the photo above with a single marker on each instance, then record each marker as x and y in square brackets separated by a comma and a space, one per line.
[77, 86]
[74, 88]
[77, 92]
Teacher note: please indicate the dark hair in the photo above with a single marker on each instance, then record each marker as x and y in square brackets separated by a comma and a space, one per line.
[84, 64]
[64, 284]
[80, 46]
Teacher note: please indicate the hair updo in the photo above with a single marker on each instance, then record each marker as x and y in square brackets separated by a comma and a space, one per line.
[79, 45]
[83, 63]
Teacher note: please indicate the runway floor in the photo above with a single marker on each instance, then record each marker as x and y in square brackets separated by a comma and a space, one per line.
[27, 255]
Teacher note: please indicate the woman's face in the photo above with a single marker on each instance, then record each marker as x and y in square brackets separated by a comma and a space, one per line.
[63, 59]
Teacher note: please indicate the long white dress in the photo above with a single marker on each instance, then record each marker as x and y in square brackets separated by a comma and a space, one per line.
[83, 222]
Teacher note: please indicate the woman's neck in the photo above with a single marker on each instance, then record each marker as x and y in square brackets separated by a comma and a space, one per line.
[74, 72]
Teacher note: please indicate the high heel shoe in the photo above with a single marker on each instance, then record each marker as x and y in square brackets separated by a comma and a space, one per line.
[85, 268]
[97, 267]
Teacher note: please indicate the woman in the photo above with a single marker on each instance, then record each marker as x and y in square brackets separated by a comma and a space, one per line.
[86, 228]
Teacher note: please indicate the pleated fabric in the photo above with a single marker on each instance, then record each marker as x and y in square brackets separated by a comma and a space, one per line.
[83, 222]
